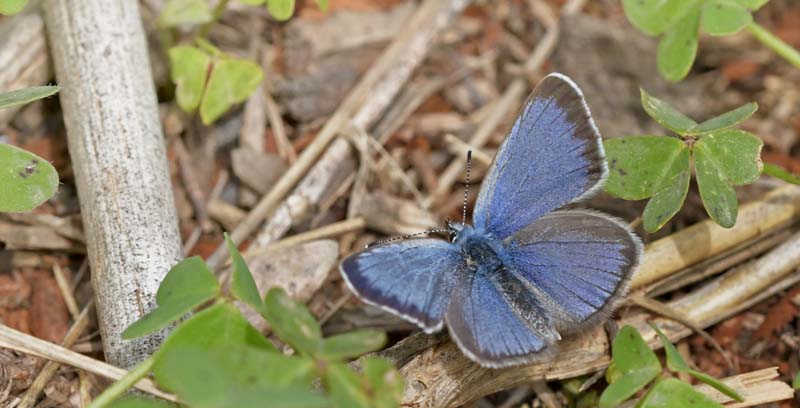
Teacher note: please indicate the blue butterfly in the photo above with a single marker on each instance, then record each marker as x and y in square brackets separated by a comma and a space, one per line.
[523, 276]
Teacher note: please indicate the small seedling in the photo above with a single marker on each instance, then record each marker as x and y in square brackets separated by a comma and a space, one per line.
[207, 78]
[660, 166]
[26, 180]
[216, 358]
[678, 22]
[634, 365]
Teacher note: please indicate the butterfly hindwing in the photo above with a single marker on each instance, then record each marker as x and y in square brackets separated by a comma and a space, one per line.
[582, 260]
[552, 156]
[496, 321]
[412, 278]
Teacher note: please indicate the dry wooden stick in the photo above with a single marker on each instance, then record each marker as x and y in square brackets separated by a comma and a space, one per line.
[23, 56]
[364, 105]
[510, 100]
[717, 264]
[193, 189]
[12, 339]
[49, 369]
[66, 292]
[705, 239]
[117, 149]
[371, 95]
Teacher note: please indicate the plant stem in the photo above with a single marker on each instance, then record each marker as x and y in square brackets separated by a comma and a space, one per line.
[780, 173]
[215, 16]
[776, 44]
[118, 388]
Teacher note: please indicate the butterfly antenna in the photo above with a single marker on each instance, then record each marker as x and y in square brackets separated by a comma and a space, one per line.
[400, 238]
[466, 189]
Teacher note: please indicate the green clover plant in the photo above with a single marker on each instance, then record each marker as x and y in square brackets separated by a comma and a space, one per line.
[678, 22]
[634, 365]
[26, 180]
[659, 167]
[9, 7]
[215, 358]
[207, 78]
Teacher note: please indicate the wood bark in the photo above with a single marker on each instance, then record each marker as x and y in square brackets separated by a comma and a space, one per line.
[117, 149]
[23, 57]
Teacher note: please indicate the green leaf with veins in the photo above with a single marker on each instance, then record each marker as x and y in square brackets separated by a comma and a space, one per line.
[26, 180]
[722, 160]
[678, 47]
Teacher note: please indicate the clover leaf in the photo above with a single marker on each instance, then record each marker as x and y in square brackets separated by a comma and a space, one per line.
[26, 181]
[659, 167]
[633, 366]
[673, 393]
[211, 80]
[9, 7]
[179, 12]
[679, 22]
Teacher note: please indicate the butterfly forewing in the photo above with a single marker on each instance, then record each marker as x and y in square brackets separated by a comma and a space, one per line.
[412, 278]
[552, 156]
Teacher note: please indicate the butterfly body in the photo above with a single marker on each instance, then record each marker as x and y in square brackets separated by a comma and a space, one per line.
[526, 272]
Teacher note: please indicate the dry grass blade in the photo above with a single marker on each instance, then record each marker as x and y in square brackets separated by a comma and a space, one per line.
[12, 339]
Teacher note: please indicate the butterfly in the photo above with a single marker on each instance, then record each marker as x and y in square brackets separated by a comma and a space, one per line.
[527, 272]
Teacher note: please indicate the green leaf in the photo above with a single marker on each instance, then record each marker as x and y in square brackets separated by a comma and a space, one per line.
[654, 16]
[640, 165]
[231, 82]
[673, 393]
[752, 5]
[780, 173]
[292, 322]
[179, 12]
[346, 388]
[352, 344]
[26, 95]
[9, 7]
[719, 385]
[796, 381]
[678, 47]
[722, 160]
[242, 284]
[322, 4]
[188, 70]
[635, 361]
[386, 383]
[282, 10]
[253, 2]
[26, 180]
[723, 17]
[649, 166]
[726, 120]
[187, 285]
[240, 377]
[221, 326]
[138, 402]
[675, 362]
[666, 115]
[667, 201]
